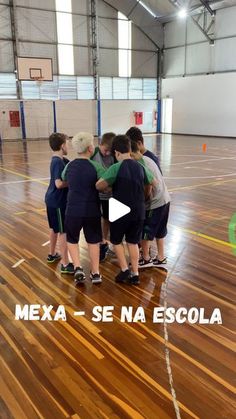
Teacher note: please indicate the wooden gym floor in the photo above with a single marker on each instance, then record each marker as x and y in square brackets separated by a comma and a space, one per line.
[82, 369]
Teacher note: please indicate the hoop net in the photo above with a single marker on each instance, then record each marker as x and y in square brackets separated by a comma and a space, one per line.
[38, 80]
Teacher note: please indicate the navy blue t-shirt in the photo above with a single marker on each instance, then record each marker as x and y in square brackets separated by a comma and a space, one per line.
[56, 198]
[83, 198]
[152, 156]
[127, 179]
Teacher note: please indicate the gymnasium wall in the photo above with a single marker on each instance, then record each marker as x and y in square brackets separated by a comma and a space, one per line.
[203, 105]
[118, 115]
[187, 52]
[75, 115]
[37, 35]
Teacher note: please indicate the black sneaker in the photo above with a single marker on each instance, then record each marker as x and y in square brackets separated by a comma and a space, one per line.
[68, 269]
[79, 276]
[122, 276]
[160, 263]
[96, 278]
[53, 258]
[133, 280]
[104, 247]
[142, 263]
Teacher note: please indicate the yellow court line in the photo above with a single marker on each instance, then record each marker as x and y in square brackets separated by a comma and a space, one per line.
[205, 236]
[219, 182]
[23, 176]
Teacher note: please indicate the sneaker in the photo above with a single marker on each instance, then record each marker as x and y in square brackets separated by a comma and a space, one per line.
[160, 263]
[95, 278]
[133, 280]
[68, 269]
[122, 276]
[142, 263]
[53, 258]
[103, 251]
[79, 275]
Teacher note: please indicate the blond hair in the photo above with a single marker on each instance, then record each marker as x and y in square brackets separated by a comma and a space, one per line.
[81, 141]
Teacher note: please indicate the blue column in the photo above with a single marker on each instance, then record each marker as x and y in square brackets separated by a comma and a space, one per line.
[54, 117]
[99, 122]
[159, 116]
[22, 117]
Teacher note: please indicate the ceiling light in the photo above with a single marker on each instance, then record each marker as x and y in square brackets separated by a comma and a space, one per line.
[182, 13]
[147, 8]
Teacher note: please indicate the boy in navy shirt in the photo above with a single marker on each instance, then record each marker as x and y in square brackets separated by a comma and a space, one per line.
[55, 199]
[103, 156]
[83, 206]
[135, 134]
[128, 179]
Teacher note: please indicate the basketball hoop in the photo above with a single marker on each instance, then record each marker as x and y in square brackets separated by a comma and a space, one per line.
[37, 79]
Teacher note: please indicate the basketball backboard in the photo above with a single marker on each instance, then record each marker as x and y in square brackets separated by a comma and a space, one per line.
[31, 68]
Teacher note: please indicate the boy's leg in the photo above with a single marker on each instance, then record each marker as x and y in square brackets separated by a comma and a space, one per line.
[120, 254]
[105, 229]
[134, 257]
[160, 248]
[94, 251]
[53, 241]
[145, 244]
[63, 249]
[74, 253]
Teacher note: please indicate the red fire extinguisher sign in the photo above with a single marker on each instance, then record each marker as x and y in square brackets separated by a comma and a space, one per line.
[138, 118]
[14, 118]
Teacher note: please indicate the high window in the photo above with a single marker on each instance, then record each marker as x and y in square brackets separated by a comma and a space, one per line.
[124, 44]
[65, 37]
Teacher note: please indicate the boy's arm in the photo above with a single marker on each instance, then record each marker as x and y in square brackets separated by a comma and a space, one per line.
[108, 177]
[149, 182]
[60, 184]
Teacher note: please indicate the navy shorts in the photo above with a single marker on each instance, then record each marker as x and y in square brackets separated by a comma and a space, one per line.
[90, 225]
[105, 208]
[124, 227]
[56, 219]
[155, 224]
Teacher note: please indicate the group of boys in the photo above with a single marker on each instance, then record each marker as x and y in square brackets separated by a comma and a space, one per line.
[79, 193]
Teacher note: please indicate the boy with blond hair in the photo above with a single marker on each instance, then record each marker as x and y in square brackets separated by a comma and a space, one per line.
[83, 206]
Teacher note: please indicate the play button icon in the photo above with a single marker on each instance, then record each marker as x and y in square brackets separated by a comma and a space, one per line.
[117, 209]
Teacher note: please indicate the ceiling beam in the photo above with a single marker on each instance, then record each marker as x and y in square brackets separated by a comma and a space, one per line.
[205, 3]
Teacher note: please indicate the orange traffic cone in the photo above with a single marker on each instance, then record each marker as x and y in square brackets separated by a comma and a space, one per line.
[204, 148]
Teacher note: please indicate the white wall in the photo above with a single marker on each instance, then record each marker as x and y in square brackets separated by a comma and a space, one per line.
[76, 115]
[118, 115]
[5, 130]
[203, 105]
[38, 118]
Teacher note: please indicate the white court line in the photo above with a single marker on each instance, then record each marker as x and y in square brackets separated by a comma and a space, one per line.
[24, 181]
[79, 313]
[18, 263]
[46, 243]
[200, 177]
[202, 161]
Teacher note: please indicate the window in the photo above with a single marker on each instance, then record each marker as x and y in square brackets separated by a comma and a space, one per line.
[120, 88]
[127, 88]
[124, 44]
[135, 88]
[106, 88]
[7, 86]
[85, 88]
[149, 88]
[67, 87]
[65, 37]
